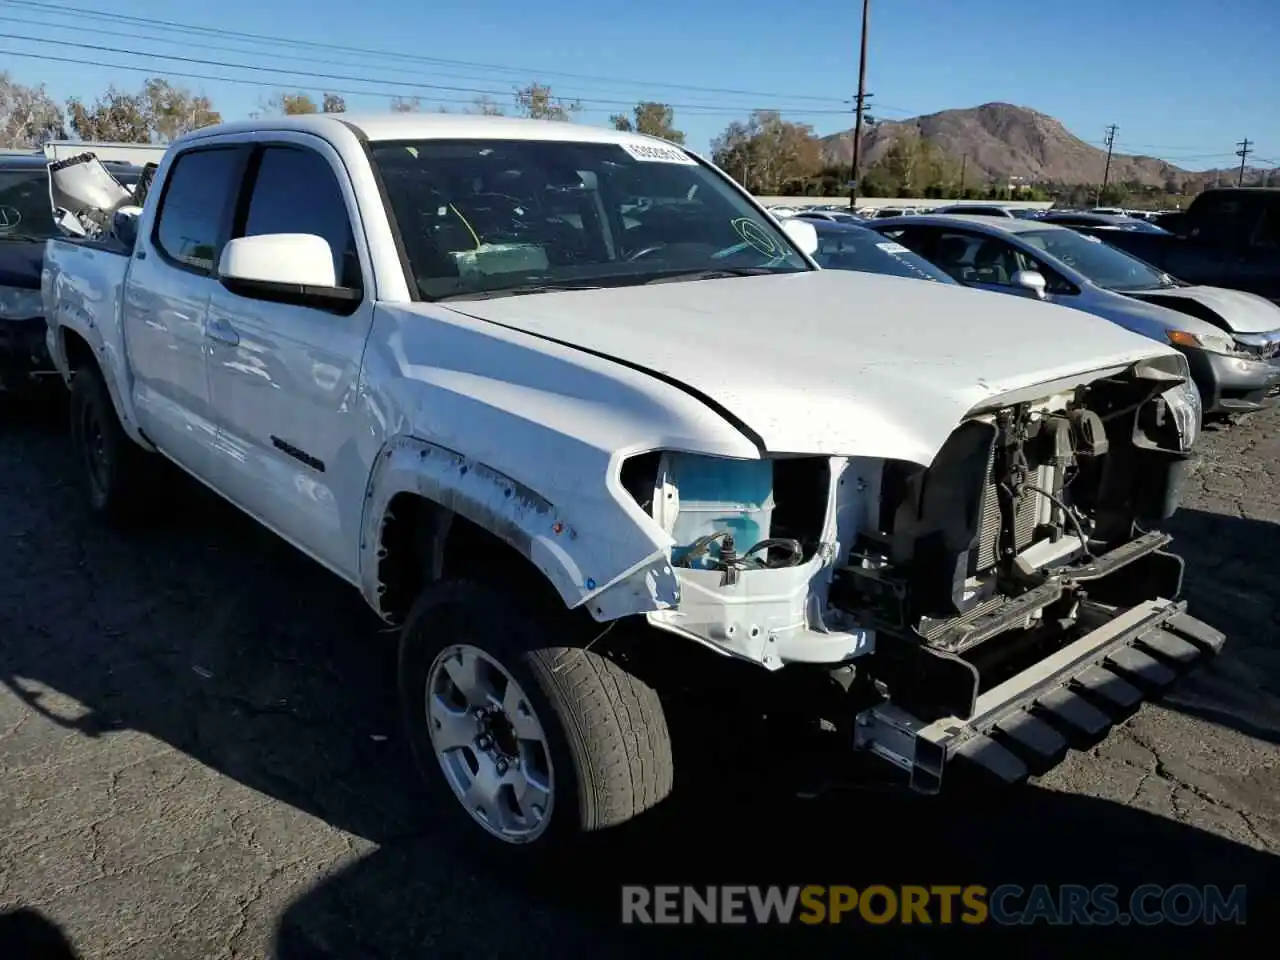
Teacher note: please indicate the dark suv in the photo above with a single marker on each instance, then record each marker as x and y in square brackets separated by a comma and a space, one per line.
[26, 222]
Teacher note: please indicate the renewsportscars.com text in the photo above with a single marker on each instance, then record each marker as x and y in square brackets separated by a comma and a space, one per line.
[1006, 905]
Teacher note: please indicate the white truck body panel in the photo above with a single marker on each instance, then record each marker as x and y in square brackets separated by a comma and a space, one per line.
[518, 412]
[871, 366]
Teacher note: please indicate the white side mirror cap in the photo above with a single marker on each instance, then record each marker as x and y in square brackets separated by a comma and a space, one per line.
[285, 259]
[803, 234]
[1032, 280]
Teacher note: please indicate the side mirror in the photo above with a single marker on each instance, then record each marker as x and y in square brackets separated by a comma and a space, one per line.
[803, 234]
[287, 268]
[1032, 281]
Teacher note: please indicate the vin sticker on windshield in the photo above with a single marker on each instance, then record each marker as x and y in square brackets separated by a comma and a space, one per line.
[892, 248]
[657, 153]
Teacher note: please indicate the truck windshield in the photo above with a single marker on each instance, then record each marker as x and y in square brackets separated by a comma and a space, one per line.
[1106, 266]
[487, 217]
[25, 210]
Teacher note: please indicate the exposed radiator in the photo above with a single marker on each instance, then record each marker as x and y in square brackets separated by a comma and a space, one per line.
[1026, 514]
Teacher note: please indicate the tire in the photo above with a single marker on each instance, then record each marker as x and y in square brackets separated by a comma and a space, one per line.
[605, 741]
[112, 463]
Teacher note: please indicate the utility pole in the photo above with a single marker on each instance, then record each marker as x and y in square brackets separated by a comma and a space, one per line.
[1106, 172]
[861, 102]
[1243, 154]
[964, 169]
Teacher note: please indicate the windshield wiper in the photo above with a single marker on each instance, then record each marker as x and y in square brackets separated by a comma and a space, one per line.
[718, 273]
[518, 291]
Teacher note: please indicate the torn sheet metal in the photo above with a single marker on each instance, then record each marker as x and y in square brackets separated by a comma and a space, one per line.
[85, 196]
[519, 516]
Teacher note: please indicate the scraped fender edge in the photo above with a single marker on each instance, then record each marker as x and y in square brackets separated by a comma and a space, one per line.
[68, 320]
[517, 515]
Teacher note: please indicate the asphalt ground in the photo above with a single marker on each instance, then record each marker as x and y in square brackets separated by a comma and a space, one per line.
[199, 759]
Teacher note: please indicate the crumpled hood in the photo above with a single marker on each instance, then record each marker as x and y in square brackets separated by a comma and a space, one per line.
[830, 362]
[1242, 312]
[20, 263]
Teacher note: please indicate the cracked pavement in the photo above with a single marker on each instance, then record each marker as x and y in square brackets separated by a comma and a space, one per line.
[199, 756]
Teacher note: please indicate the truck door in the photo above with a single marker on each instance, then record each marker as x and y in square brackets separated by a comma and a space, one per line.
[166, 296]
[285, 379]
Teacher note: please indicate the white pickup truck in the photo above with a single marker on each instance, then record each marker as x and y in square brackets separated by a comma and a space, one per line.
[522, 382]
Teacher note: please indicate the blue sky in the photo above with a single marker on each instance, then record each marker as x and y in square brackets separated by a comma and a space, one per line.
[1184, 80]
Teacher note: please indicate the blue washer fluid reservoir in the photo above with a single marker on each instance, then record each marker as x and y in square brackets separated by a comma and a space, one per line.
[717, 495]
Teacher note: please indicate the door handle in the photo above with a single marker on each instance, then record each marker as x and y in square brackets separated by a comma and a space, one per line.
[221, 332]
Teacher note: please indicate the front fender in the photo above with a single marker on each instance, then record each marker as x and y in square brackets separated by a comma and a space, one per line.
[592, 554]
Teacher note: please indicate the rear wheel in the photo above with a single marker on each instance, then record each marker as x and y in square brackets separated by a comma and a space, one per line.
[520, 730]
[113, 473]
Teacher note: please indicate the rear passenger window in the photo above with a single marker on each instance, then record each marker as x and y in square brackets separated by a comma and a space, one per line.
[296, 191]
[201, 185]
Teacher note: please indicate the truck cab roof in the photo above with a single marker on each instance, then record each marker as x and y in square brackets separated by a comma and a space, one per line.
[381, 127]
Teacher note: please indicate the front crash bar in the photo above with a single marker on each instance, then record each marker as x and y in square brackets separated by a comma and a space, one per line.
[1071, 698]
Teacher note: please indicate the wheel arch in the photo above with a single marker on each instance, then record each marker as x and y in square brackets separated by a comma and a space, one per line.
[75, 349]
[431, 512]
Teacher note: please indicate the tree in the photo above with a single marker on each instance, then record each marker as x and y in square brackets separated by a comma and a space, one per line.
[536, 102]
[652, 119]
[769, 155]
[1112, 195]
[332, 103]
[173, 111]
[912, 167]
[116, 117]
[29, 117]
[406, 104]
[289, 104]
[486, 107]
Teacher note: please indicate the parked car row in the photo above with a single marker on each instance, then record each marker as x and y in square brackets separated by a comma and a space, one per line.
[520, 384]
[1231, 338]
[27, 221]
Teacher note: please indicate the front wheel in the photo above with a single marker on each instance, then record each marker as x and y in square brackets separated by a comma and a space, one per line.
[109, 459]
[515, 727]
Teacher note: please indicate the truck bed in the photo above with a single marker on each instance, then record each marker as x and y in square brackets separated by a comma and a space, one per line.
[81, 284]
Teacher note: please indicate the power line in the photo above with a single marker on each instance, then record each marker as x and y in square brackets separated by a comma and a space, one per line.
[276, 84]
[403, 84]
[186, 75]
[417, 58]
[276, 55]
[1243, 154]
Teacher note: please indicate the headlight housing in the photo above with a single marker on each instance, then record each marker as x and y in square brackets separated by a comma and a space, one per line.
[1213, 342]
[1188, 410]
[18, 303]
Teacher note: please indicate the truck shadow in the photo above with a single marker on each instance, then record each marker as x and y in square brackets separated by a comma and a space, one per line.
[383, 905]
[208, 633]
[27, 934]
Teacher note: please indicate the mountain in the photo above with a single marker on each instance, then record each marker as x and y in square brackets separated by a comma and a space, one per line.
[1001, 141]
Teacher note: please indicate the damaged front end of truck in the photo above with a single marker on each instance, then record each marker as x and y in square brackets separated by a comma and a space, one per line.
[986, 612]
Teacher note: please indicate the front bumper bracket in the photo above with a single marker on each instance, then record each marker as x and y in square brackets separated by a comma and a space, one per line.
[1072, 698]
